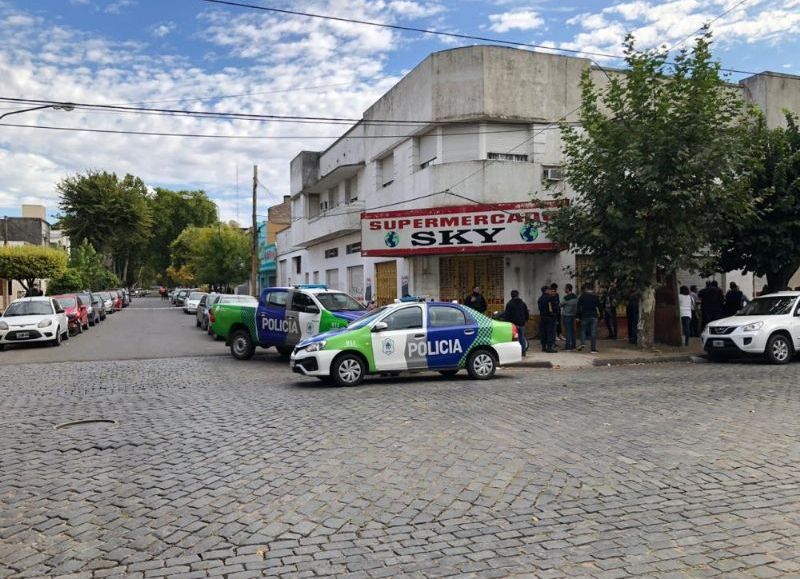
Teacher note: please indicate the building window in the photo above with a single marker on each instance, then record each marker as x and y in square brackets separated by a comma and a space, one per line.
[353, 248]
[316, 277]
[552, 173]
[351, 190]
[296, 262]
[426, 150]
[331, 253]
[313, 205]
[387, 170]
[507, 157]
[355, 281]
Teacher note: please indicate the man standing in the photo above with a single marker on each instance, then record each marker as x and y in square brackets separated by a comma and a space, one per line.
[714, 302]
[588, 310]
[569, 308]
[632, 313]
[557, 300]
[734, 300]
[695, 306]
[517, 313]
[547, 320]
[475, 300]
[609, 303]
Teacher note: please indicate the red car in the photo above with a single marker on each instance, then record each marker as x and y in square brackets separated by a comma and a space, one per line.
[77, 312]
[116, 297]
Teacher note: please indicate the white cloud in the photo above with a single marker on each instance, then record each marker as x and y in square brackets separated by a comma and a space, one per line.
[117, 6]
[414, 10]
[516, 20]
[163, 29]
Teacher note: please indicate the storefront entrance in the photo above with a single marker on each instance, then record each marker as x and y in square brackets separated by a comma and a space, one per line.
[386, 277]
[459, 274]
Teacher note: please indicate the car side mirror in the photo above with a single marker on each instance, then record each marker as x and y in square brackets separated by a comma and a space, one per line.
[380, 326]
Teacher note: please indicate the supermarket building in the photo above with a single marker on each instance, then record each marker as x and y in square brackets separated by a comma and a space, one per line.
[439, 200]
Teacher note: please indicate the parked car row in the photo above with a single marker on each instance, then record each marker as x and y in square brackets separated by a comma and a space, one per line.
[53, 319]
[329, 335]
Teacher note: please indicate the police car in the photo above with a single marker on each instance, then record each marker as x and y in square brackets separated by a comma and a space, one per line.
[410, 336]
[282, 317]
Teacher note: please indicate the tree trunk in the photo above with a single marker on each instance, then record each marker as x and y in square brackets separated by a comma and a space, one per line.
[645, 335]
[779, 280]
[124, 279]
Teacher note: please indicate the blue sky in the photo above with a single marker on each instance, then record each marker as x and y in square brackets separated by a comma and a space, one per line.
[192, 54]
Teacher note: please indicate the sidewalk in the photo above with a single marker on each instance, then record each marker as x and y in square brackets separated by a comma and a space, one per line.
[610, 353]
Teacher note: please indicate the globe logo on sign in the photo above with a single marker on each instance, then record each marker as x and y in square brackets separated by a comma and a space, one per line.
[528, 232]
[391, 239]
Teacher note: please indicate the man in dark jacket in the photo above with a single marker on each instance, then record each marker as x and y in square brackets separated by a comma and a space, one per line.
[548, 310]
[714, 302]
[475, 300]
[608, 302]
[588, 310]
[734, 300]
[517, 313]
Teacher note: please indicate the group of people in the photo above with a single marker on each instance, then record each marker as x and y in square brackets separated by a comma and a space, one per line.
[558, 317]
[698, 308]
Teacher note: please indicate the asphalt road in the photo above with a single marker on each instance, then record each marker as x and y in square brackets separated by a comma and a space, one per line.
[217, 467]
[148, 328]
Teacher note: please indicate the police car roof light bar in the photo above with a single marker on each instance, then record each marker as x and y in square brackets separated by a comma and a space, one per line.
[311, 286]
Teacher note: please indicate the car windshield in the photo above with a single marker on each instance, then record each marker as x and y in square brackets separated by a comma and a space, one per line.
[196, 295]
[368, 318]
[28, 309]
[105, 296]
[339, 302]
[66, 302]
[238, 300]
[769, 306]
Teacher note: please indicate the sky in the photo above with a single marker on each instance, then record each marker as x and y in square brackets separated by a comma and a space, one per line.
[195, 55]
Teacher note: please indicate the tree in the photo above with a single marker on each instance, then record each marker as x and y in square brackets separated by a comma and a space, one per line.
[766, 242]
[27, 263]
[217, 255]
[174, 211]
[94, 274]
[111, 213]
[68, 281]
[657, 167]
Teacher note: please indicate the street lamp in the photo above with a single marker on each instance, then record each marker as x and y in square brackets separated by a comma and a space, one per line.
[60, 107]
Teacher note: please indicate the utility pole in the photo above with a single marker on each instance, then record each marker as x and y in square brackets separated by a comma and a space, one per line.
[254, 242]
[5, 281]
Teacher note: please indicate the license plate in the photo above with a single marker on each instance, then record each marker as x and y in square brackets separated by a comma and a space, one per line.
[718, 343]
[23, 335]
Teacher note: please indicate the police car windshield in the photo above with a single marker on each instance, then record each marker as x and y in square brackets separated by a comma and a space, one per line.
[367, 319]
[338, 302]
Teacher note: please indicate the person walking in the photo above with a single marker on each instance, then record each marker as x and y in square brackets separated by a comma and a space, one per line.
[608, 302]
[547, 320]
[685, 305]
[517, 313]
[632, 313]
[734, 300]
[569, 308]
[475, 300]
[587, 311]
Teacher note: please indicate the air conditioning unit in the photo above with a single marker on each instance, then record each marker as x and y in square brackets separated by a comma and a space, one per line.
[553, 174]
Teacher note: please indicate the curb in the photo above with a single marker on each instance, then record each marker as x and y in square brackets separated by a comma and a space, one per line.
[535, 364]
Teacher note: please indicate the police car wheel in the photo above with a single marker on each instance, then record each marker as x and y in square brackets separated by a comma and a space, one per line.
[448, 372]
[481, 365]
[348, 370]
[242, 347]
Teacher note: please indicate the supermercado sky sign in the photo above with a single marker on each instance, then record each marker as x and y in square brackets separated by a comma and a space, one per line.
[498, 227]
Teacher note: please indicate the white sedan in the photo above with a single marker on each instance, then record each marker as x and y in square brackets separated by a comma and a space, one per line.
[35, 319]
[191, 302]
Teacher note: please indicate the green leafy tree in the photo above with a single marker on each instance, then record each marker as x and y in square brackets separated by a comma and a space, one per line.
[766, 242]
[218, 255]
[112, 214]
[68, 281]
[657, 167]
[174, 211]
[89, 265]
[27, 263]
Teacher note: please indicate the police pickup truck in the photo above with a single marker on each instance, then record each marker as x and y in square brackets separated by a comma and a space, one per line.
[283, 317]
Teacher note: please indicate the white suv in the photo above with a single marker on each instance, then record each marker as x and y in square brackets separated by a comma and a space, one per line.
[768, 326]
[36, 319]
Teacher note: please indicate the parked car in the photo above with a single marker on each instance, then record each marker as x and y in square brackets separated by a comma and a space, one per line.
[180, 297]
[35, 319]
[99, 305]
[768, 326]
[126, 297]
[94, 313]
[226, 309]
[405, 336]
[205, 323]
[108, 302]
[191, 302]
[77, 312]
[201, 315]
[116, 296]
[285, 316]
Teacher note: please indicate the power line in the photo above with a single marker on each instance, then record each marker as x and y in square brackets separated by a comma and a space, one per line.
[458, 35]
[217, 136]
[707, 25]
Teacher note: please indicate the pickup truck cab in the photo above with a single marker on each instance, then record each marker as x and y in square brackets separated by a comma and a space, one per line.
[284, 317]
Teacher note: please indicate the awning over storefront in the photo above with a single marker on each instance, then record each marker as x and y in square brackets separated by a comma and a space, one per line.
[479, 228]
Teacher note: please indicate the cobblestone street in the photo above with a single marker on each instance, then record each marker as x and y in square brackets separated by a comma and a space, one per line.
[241, 469]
